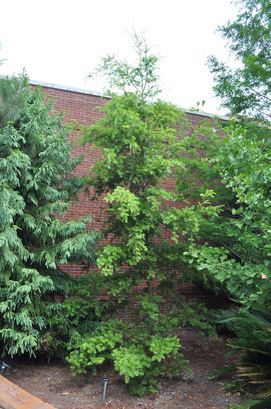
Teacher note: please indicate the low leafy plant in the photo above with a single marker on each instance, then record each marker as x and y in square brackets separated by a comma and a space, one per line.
[198, 316]
[140, 357]
[140, 364]
[77, 315]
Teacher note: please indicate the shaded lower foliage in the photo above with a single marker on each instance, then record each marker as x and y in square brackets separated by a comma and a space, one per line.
[142, 352]
[253, 341]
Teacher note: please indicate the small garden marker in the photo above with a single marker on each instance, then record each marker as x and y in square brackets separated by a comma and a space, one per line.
[105, 383]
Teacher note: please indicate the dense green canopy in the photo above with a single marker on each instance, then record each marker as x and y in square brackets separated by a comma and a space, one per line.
[36, 188]
[247, 89]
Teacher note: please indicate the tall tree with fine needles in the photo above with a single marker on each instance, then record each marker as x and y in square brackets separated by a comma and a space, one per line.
[36, 188]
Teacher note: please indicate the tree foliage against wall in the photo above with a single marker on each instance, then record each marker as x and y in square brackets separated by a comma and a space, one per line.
[242, 260]
[238, 255]
[142, 143]
[247, 89]
[37, 186]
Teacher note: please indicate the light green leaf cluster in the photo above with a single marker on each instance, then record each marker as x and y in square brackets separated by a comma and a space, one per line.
[136, 355]
[247, 283]
[93, 351]
[161, 347]
[108, 259]
[125, 203]
[131, 362]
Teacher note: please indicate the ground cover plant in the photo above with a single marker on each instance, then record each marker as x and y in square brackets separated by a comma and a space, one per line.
[143, 352]
[136, 353]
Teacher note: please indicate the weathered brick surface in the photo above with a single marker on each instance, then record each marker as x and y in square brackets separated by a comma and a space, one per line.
[85, 110]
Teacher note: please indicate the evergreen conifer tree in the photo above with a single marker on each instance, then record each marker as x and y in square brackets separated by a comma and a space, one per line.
[36, 188]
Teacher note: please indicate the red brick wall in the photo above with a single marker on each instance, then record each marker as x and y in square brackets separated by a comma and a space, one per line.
[84, 109]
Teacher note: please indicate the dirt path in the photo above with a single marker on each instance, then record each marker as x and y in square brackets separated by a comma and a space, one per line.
[54, 384]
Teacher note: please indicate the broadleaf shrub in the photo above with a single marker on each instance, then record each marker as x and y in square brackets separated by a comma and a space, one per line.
[140, 358]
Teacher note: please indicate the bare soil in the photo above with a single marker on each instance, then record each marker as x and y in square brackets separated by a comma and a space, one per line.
[54, 383]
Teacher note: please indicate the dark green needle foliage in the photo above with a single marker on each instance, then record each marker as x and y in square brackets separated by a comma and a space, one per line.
[253, 345]
[36, 189]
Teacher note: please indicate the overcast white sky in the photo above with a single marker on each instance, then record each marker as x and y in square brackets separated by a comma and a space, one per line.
[61, 41]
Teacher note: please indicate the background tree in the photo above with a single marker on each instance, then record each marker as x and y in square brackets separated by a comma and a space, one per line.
[240, 258]
[247, 90]
[37, 186]
[2, 60]
[243, 259]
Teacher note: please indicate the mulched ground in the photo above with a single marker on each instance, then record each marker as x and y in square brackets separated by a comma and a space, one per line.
[54, 383]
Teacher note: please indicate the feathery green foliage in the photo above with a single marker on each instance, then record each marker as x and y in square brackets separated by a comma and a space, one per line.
[142, 144]
[37, 187]
[139, 78]
[253, 340]
[141, 148]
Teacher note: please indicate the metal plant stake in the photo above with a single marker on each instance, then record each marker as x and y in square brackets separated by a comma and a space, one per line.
[105, 383]
[3, 366]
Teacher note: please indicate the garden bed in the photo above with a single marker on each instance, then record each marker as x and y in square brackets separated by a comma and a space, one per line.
[54, 383]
